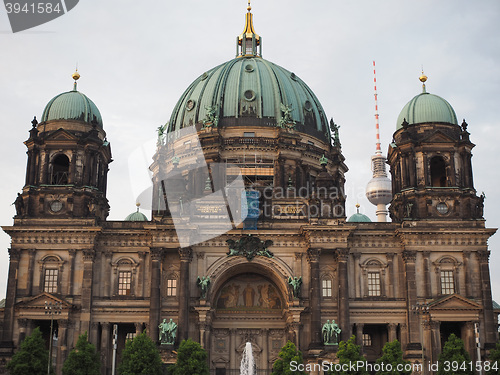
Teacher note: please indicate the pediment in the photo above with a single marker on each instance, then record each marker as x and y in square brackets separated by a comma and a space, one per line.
[61, 135]
[438, 137]
[37, 303]
[454, 302]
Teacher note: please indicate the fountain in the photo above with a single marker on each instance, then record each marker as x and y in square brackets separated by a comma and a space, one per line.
[247, 366]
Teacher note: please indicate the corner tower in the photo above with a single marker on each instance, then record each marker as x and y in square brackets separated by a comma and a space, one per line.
[68, 157]
[430, 159]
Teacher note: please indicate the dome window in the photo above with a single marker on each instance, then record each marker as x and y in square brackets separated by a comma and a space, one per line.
[308, 106]
[438, 172]
[190, 104]
[293, 76]
[60, 170]
[249, 68]
[249, 95]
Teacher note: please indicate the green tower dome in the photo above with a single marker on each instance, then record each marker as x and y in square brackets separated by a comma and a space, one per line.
[359, 218]
[427, 108]
[251, 91]
[72, 105]
[136, 216]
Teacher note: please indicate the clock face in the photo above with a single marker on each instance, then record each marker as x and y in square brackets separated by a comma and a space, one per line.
[442, 208]
[56, 206]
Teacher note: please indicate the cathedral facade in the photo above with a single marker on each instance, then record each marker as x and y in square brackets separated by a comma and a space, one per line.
[248, 239]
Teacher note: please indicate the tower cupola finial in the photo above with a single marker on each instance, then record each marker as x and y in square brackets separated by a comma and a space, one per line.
[76, 77]
[248, 41]
[423, 79]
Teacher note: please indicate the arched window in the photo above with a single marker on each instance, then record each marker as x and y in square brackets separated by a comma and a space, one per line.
[51, 267]
[447, 270]
[60, 170]
[374, 278]
[438, 172]
[124, 270]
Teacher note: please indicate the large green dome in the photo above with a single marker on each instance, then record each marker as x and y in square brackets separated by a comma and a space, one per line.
[72, 105]
[427, 108]
[250, 91]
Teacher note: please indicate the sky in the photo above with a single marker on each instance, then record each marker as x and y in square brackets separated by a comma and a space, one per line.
[137, 57]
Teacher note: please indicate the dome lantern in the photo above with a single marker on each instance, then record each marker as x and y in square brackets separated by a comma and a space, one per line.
[248, 40]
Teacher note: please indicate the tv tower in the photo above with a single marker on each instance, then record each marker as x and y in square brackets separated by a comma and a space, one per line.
[379, 189]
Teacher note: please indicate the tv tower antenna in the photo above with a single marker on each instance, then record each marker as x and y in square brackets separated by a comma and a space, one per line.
[379, 189]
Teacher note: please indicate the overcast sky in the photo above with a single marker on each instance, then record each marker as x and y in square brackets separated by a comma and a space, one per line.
[137, 57]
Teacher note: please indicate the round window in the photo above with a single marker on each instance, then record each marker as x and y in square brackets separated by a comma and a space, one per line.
[56, 206]
[442, 208]
[249, 95]
[249, 68]
[190, 105]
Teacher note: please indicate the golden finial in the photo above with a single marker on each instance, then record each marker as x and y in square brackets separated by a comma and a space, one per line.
[138, 204]
[249, 8]
[357, 207]
[423, 79]
[76, 75]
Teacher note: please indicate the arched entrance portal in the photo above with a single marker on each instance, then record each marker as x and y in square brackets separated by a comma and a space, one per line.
[247, 306]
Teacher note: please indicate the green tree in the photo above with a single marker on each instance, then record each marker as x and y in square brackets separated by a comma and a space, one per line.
[289, 353]
[494, 360]
[83, 359]
[140, 357]
[32, 357]
[350, 353]
[191, 359]
[393, 355]
[454, 353]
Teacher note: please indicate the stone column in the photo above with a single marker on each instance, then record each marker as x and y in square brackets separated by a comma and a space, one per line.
[31, 270]
[343, 314]
[359, 334]
[88, 273]
[106, 348]
[489, 322]
[156, 255]
[436, 340]
[94, 326]
[106, 259]
[358, 277]
[62, 350]
[10, 299]
[427, 338]
[232, 349]
[23, 325]
[265, 347]
[409, 258]
[404, 335]
[391, 329]
[391, 289]
[468, 278]
[44, 178]
[140, 277]
[138, 328]
[427, 275]
[313, 256]
[186, 255]
[72, 255]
